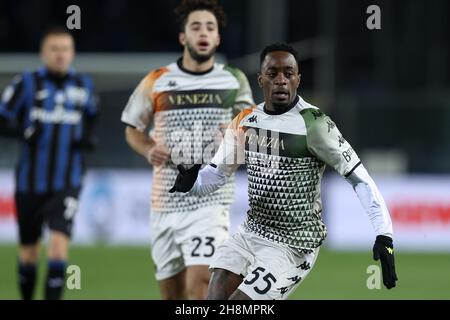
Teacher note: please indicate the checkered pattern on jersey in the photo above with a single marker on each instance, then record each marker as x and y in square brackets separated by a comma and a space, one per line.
[283, 195]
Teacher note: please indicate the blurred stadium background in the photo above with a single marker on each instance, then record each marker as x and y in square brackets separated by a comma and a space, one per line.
[388, 90]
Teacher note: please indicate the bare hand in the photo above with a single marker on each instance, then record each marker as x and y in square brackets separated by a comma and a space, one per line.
[158, 155]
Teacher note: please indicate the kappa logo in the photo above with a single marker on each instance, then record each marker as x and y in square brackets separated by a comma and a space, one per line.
[295, 279]
[317, 114]
[253, 118]
[390, 250]
[172, 83]
[305, 266]
[341, 140]
[283, 290]
[331, 125]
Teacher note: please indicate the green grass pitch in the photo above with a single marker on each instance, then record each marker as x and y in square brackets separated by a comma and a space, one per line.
[109, 272]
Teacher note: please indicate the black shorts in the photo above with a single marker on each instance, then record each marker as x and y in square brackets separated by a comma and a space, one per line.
[56, 209]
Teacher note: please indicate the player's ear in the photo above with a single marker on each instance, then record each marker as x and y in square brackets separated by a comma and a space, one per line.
[182, 38]
[218, 40]
[259, 77]
[299, 79]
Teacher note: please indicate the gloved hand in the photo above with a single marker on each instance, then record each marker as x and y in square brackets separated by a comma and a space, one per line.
[383, 250]
[185, 179]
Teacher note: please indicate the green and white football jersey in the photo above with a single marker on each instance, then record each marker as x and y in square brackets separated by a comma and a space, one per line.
[187, 110]
[285, 156]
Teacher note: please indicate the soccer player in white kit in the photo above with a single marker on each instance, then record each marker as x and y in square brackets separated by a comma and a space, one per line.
[187, 102]
[285, 144]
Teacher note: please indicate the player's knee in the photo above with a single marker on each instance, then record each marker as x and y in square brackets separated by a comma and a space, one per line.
[29, 253]
[58, 246]
[197, 292]
[197, 286]
[173, 293]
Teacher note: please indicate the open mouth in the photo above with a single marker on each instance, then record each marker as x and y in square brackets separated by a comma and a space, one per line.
[281, 94]
[203, 45]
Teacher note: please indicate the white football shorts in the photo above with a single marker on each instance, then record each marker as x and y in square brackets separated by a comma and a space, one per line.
[270, 270]
[182, 239]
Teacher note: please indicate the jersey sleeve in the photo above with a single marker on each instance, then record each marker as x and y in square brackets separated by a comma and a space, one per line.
[230, 154]
[325, 141]
[371, 200]
[139, 109]
[91, 108]
[13, 98]
[244, 97]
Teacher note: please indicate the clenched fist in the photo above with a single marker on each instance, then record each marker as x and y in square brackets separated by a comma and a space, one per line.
[158, 155]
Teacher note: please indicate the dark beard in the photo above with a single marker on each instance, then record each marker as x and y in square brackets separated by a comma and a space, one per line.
[281, 105]
[200, 58]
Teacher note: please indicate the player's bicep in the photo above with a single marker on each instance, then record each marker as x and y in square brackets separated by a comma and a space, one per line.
[327, 143]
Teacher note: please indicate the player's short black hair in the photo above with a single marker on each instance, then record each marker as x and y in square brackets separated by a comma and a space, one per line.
[188, 6]
[54, 30]
[279, 47]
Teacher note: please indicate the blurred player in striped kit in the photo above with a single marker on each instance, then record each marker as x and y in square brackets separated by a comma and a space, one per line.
[187, 102]
[52, 112]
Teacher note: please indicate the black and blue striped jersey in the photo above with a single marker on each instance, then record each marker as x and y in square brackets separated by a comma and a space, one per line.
[54, 114]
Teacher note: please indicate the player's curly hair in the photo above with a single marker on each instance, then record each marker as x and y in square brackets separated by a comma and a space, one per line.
[188, 6]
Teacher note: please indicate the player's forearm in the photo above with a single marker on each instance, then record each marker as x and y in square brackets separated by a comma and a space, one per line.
[209, 179]
[139, 141]
[371, 200]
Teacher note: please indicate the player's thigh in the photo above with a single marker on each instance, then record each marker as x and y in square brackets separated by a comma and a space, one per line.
[166, 253]
[30, 219]
[60, 210]
[223, 284]
[197, 275]
[200, 233]
[277, 271]
[229, 266]
[173, 288]
[197, 280]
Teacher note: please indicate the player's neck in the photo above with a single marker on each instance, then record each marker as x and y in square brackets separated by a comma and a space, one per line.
[57, 73]
[277, 110]
[191, 65]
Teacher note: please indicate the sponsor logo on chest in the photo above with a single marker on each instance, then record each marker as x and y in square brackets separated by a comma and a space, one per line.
[182, 99]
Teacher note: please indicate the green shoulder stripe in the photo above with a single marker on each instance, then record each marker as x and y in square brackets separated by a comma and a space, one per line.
[235, 72]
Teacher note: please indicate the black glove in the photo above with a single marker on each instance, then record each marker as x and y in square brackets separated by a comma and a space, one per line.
[185, 179]
[383, 249]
